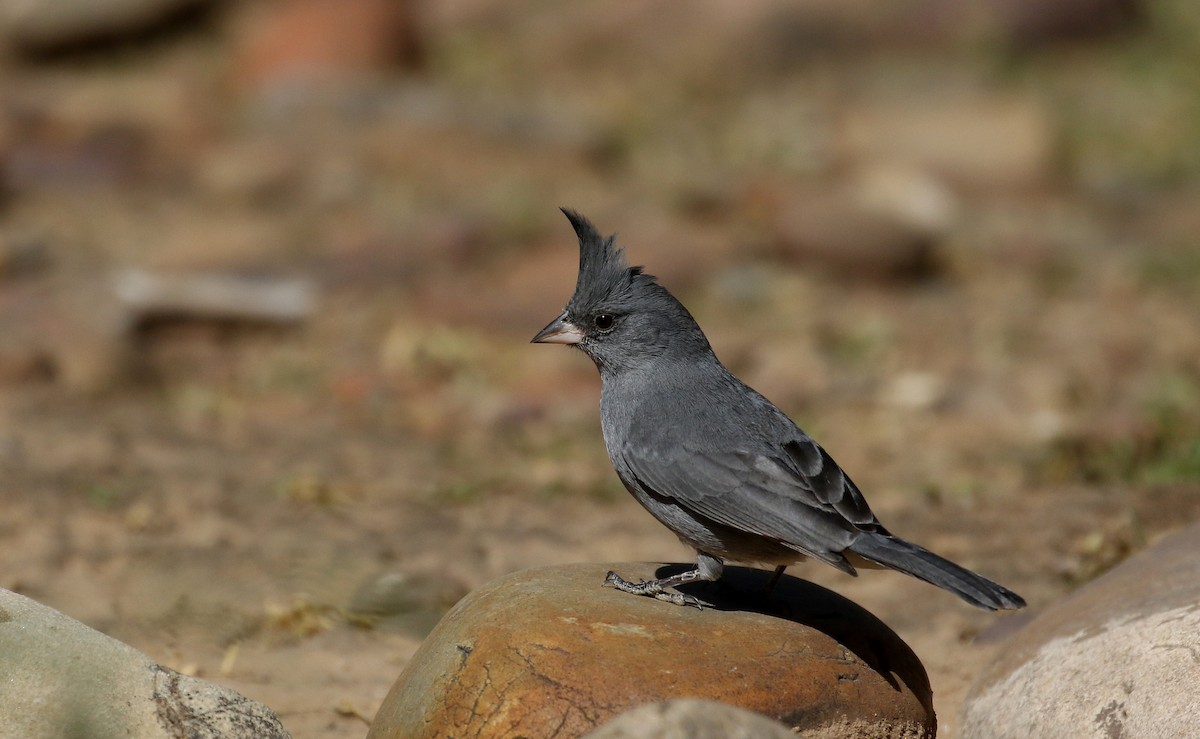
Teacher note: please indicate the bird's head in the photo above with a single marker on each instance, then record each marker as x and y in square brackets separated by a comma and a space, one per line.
[619, 315]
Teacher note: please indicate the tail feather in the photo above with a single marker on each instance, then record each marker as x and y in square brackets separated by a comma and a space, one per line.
[898, 554]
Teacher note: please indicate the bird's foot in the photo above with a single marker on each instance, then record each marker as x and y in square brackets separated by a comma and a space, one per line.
[654, 589]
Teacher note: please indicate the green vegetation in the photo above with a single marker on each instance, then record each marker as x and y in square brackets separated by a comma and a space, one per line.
[1162, 448]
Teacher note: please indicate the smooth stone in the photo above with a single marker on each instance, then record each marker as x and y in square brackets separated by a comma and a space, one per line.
[690, 718]
[1120, 657]
[551, 651]
[61, 678]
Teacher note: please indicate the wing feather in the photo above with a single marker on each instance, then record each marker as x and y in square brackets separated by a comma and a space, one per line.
[801, 499]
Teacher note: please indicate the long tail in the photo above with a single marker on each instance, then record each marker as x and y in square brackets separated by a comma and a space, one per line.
[898, 554]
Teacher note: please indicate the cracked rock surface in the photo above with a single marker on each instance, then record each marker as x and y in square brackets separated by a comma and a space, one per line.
[61, 678]
[551, 652]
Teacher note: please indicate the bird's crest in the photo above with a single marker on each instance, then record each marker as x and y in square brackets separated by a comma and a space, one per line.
[603, 270]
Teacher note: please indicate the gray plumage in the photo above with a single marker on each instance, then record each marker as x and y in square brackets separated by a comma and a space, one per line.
[710, 458]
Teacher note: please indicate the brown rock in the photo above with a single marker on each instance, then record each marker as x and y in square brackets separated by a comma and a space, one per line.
[1119, 658]
[831, 231]
[977, 141]
[320, 41]
[552, 652]
[689, 718]
[71, 329]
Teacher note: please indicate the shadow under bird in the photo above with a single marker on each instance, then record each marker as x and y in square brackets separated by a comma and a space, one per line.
[714, 461]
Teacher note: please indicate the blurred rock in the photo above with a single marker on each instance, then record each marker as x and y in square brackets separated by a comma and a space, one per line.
[910, 195]
[1032, 22]
[977, 141]
[831, 230]
[689, 718]
[39, 27]
[553, 652]
[81, 330]
[404, 601]
[1118, 658]
[915, 391]
[63, 679]
[72, 331]
[149, 297]
[296, 44]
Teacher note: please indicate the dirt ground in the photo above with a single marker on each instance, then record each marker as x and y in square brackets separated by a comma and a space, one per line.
[287, 510]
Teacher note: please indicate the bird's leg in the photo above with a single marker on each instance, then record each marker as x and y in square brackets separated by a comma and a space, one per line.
[774, 580]
[708, 569]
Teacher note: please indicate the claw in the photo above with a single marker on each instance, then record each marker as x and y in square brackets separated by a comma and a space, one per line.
[680, 599]
[619, 582]
[653, 589]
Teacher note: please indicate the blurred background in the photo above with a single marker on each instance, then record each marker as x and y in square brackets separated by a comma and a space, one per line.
[268, 271]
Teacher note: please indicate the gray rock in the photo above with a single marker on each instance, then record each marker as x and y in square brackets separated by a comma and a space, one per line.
[1118, 658]
[690, 718]
[551, 652]
[147, 296]
[64, 679]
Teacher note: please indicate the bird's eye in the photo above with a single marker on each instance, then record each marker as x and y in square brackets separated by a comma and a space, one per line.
[604, 321]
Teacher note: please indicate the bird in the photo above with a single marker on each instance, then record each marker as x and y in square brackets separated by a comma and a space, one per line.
[712, 459]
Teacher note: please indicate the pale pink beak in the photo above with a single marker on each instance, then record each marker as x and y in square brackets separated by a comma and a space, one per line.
[560, 331]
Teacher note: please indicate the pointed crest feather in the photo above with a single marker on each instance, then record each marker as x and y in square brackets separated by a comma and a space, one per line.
[603, 270]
